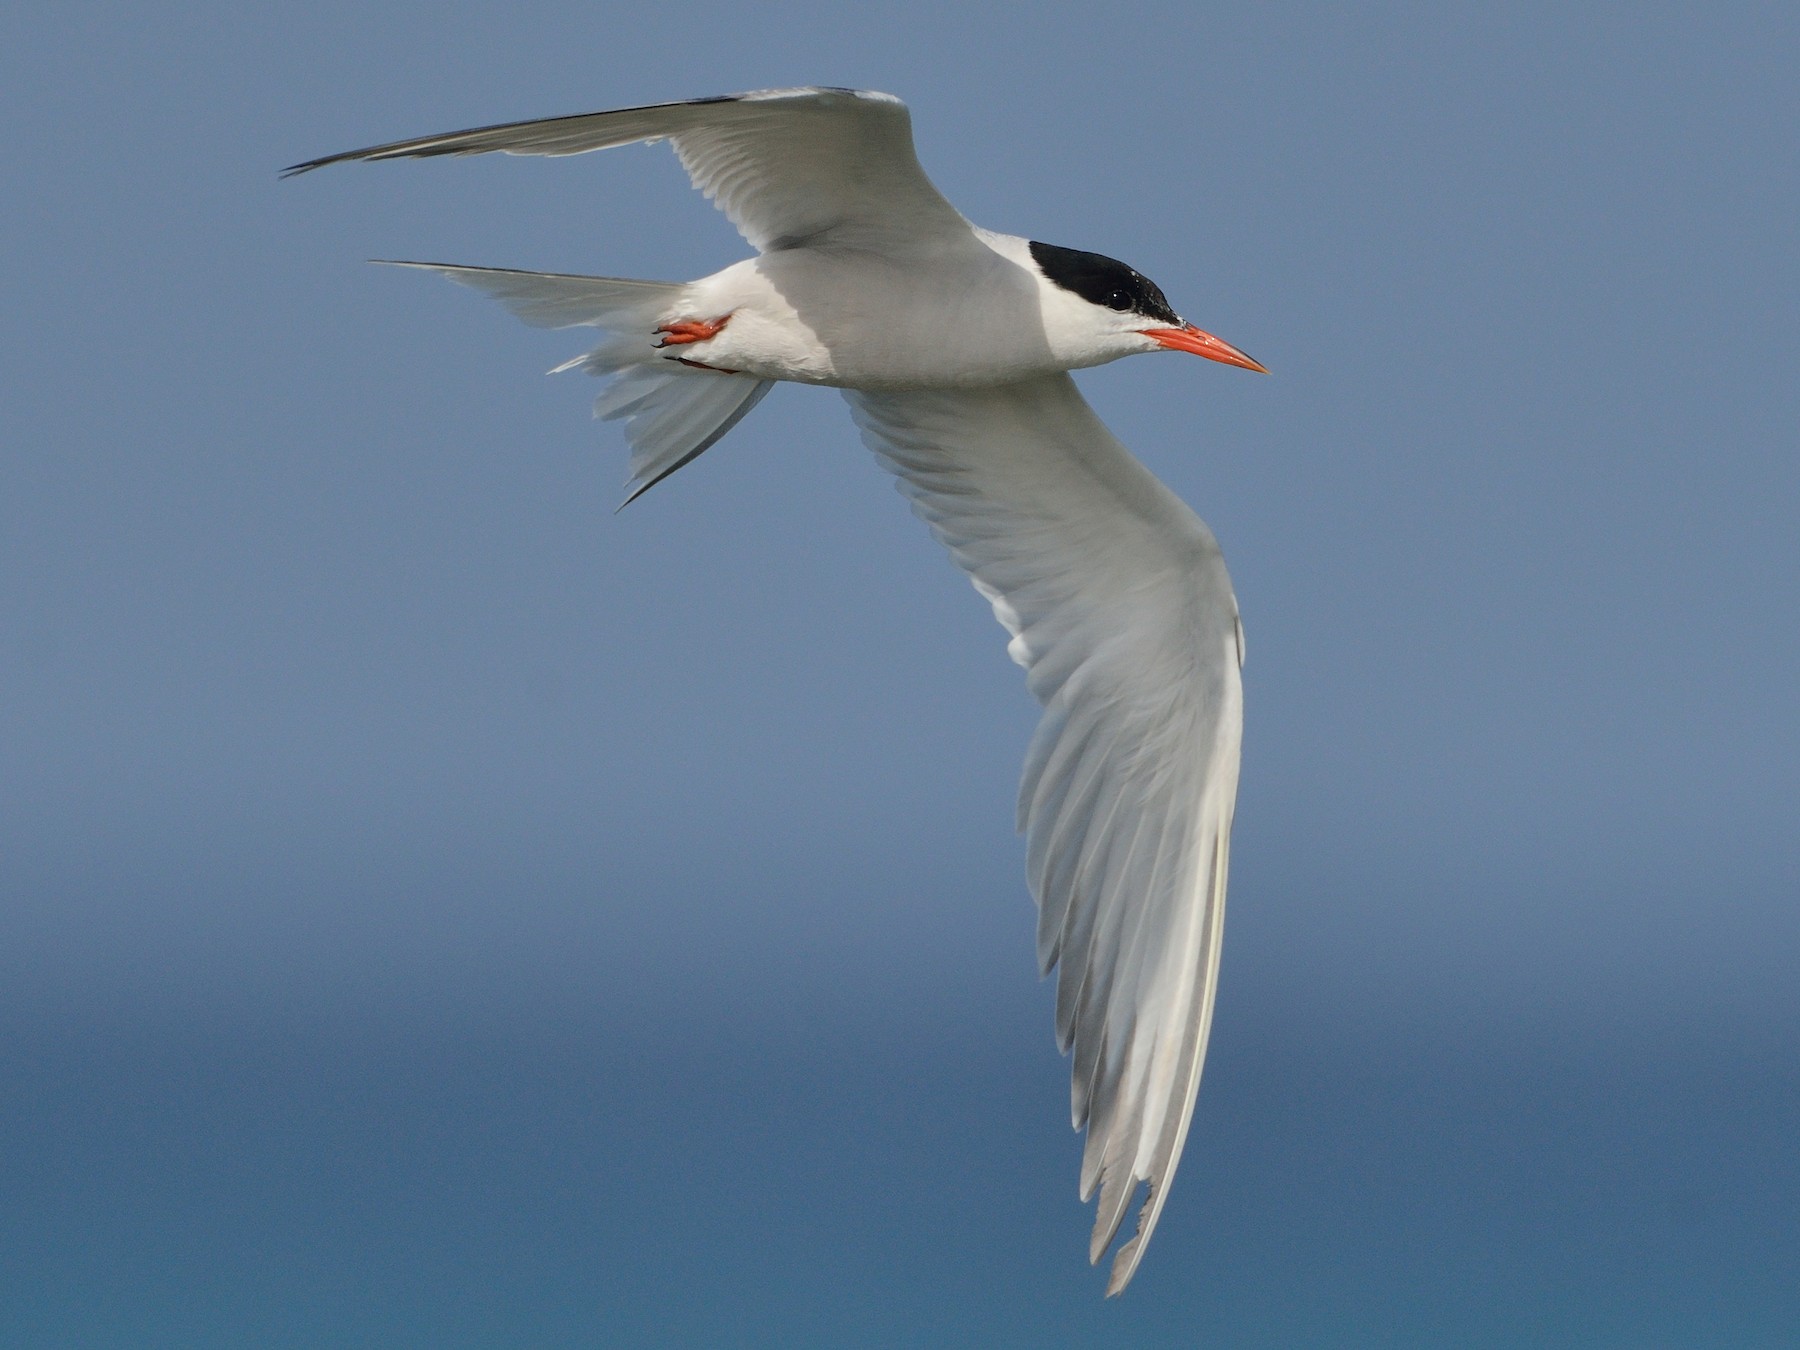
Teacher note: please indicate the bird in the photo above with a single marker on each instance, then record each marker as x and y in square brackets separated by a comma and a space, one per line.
[953, 345]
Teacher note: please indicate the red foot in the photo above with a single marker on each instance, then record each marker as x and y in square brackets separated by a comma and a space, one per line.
[683, 331]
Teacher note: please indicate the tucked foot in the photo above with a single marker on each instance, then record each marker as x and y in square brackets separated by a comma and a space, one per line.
[683, 331]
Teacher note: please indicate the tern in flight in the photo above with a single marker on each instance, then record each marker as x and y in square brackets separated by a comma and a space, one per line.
[953, 346]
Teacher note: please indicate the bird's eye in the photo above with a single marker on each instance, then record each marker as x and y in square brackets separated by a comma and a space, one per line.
[1118, 300]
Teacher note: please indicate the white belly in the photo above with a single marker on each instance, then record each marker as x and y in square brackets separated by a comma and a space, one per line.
[866, 322]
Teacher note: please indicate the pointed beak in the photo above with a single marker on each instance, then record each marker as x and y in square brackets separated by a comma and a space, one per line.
[1188, 338]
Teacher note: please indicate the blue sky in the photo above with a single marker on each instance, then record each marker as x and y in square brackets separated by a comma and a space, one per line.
[435, 907]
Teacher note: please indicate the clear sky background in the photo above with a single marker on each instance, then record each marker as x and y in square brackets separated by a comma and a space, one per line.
[437, 911]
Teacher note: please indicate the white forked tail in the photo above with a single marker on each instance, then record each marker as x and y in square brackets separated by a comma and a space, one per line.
[674, 411]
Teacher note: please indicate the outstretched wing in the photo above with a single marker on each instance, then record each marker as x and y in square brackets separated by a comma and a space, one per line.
[790, 167]
[1121, 612]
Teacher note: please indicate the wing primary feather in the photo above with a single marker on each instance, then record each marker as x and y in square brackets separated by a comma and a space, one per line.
[1102, 1030]
[1118, 606]
[1087, 894]
[791, 168]
[1191, 1056]
[507, 137]
[1117, 1186]
[1096, 977]
[1064, 807]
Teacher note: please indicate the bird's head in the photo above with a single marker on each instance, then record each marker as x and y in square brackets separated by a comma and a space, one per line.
[1104, 310]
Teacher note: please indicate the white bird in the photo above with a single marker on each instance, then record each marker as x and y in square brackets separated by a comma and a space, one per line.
[953, 345]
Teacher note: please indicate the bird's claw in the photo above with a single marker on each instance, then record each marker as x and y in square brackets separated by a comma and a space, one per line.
[684, 331]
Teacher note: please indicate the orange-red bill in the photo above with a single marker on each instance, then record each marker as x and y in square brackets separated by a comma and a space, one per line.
[1188, 338]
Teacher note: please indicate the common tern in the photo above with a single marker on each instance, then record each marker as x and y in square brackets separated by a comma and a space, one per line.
[952, 345]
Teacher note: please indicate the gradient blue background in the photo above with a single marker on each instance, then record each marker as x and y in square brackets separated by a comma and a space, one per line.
[435, 911]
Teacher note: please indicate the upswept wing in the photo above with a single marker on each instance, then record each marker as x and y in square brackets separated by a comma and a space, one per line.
[1122, 614]
[790, 167]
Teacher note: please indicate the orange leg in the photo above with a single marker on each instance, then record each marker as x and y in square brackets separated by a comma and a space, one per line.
[683, 331]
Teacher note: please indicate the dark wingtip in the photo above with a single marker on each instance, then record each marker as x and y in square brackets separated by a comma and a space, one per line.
[345, 157]
[295, 170]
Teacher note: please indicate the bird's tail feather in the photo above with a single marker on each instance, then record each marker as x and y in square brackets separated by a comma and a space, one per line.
[562, 300]
[675, 414]
[674, 411]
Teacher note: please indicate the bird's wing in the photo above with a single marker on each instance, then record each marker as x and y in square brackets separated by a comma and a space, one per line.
[1121, 612]
[790, 167]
